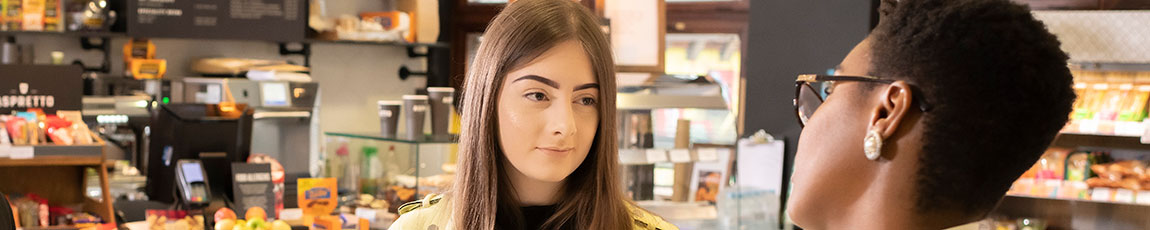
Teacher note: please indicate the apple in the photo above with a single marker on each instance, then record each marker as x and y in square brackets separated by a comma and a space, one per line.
[225, 214]
[257, 224]
[225, 224]
[280, 225]
[240, 225]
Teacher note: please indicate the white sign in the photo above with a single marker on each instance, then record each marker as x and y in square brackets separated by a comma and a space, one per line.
[760, 165]
[708, 154]
[22, 152]
[656, 155]
[680, 155]
[6, 149]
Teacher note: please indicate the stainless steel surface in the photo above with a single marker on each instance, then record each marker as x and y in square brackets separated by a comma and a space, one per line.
[287, 133]
[115, 105]
[8, 51]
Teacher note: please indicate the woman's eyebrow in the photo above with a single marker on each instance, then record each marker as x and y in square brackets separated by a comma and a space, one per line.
[587, 86]
[543, 80]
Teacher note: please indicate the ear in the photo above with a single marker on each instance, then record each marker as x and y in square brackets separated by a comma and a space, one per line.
[894, 102]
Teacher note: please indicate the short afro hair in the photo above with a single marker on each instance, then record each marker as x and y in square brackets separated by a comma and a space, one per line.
[998, 84]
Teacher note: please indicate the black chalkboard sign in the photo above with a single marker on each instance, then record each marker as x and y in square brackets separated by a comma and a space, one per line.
[50, 87]
[272, 20]
[253, 187]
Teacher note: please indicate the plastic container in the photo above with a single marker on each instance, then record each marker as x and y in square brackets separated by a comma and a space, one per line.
[748, 209]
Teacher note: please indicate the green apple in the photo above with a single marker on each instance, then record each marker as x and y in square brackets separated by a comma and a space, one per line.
[257, 224]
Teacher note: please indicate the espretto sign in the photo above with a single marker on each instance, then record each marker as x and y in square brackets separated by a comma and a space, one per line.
[24, 97]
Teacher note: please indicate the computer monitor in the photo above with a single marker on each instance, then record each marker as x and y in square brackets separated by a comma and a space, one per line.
[215, 135]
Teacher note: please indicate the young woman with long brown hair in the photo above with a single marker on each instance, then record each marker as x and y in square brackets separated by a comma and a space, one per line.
[538, 147]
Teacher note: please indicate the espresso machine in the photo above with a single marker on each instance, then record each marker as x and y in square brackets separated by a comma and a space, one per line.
[285, 122]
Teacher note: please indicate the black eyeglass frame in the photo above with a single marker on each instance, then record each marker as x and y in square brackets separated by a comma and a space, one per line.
[806, 79]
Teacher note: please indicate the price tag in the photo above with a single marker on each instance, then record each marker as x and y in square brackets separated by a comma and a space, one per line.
[1101, 194]
[22, 152]
[656, 155]
[1124, 196]
[366, 213]
[708, 154]
[680, 155]
[1088, 126]
[1143, 197]
[1146, 131]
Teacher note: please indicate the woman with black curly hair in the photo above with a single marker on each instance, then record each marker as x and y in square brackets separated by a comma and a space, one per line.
[928, 121]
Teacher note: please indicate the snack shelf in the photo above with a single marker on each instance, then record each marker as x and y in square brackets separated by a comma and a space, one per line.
[1074, 140]
[1076, 214]
[110, 34]
[1114, 203]
[352, 42]
[60, 176]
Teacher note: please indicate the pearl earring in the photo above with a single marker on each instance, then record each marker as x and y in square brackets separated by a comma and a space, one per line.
[872, 145]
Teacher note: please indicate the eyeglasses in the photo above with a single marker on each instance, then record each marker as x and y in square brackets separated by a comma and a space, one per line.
[811, 89]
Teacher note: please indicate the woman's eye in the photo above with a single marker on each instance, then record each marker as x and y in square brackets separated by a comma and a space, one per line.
[536, 96]
[587, 101]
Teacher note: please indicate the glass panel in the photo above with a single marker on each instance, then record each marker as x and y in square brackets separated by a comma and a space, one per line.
[717, 56]
[394, 170]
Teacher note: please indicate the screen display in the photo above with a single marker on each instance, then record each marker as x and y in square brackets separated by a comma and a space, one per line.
[192, 172]
[274, 94]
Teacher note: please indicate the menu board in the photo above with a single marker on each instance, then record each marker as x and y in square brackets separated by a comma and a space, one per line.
[273, 20]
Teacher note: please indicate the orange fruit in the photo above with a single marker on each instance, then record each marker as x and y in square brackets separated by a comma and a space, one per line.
[225, 214]
[256, 213]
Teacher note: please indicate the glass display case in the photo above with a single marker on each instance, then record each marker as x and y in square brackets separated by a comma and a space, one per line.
[390, 169]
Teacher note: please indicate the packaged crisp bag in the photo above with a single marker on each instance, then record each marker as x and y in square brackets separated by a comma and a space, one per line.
[16, 129]
[317, 197]
[80, 132]
[59, 130]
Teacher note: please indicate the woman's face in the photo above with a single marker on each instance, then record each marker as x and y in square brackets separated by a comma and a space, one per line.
[549, 113]
[830, 166]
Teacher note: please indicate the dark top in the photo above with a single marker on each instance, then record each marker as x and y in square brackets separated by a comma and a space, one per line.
[533, 218]
[6, 219]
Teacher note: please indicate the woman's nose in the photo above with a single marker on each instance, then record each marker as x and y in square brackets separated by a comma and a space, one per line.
[561, 120]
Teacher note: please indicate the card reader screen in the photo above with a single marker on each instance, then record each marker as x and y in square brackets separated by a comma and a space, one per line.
[192, 173]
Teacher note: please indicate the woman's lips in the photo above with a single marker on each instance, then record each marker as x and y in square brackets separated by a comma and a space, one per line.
[556, 150]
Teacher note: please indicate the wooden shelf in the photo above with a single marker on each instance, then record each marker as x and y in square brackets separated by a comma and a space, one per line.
[108, 34]
[52, 161]
[61, 179]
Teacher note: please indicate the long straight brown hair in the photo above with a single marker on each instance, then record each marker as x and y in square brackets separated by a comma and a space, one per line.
[592, 197]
